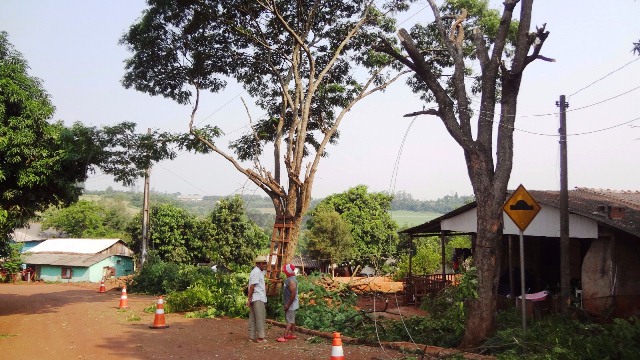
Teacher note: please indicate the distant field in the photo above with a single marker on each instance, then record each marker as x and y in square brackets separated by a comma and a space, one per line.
[402, 217]
[412, 218]
[270, 210]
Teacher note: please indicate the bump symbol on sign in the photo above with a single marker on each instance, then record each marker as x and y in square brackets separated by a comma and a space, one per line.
[521, 208]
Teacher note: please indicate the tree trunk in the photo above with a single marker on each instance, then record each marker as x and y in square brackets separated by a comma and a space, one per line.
[481, 312]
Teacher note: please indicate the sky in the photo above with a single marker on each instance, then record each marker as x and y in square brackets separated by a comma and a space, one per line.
[72, 46]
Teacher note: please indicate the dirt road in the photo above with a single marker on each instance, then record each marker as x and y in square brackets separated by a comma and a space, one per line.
[74, 321]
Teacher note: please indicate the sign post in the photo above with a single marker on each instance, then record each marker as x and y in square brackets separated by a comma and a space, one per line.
[521, 209]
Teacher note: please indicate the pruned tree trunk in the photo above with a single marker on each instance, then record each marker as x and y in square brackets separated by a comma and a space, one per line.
[489, 177]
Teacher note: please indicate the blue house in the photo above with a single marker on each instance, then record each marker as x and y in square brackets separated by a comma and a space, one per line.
[76, 260]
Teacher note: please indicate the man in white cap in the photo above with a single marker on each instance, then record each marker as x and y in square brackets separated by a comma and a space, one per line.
[256, 300]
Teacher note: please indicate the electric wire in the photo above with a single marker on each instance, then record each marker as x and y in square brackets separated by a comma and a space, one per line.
[391, 191]
[604, 77]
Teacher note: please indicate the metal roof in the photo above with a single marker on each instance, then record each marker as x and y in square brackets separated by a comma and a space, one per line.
[300, 262]
[75, 246]
[34, 232]
[64, 259]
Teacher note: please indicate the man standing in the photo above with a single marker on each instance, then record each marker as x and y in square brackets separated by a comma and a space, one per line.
[256, 300]
[290, 301]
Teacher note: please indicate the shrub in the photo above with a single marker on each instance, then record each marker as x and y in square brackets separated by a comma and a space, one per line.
[192, 288]
[561, 337]
[322, 309]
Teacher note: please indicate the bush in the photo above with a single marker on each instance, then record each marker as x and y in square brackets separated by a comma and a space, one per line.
[561, 337]
[192, 288]
[324, 310]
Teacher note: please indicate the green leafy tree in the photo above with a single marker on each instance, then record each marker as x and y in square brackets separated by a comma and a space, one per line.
[232, 239]
[372, 228]
[42, 162]
[329, 237]
[472, 50]
[307, 63]
[88, 219]
[12, 262]
[174, 234]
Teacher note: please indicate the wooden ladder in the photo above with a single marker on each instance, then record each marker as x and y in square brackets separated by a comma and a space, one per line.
[279, 244]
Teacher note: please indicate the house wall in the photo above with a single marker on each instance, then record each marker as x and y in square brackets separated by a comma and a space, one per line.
[54, 273]
[118, 248]
[28, 245]
[546, 223]
[609, 276]
[123, 266]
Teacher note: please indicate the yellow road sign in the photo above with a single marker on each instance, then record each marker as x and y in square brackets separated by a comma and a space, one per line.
[521, 208]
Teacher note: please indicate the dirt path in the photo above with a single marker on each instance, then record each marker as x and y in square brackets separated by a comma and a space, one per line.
[74, 321]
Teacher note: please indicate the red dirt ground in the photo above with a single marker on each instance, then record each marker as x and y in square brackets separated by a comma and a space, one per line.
[74, 321]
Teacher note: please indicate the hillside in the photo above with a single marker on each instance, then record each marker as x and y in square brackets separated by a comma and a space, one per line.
[406, 210]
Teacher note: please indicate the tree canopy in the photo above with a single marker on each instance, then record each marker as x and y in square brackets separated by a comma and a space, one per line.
[42, 163]
[225, 237]
[89, 219]
[373, 230]
[306, 64]
[233, 240]
[329, 237]
[174, 234]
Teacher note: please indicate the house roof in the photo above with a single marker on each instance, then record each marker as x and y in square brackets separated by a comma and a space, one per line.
[64, 259]
[34, 232]
[299, 262]
[73, 246]
[616, 209]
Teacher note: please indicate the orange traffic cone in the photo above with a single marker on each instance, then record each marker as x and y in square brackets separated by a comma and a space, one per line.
[158, 320]
[102, 287]
[124, 304]
[336, 347]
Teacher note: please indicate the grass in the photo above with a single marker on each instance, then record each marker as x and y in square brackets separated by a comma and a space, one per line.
[412, 218]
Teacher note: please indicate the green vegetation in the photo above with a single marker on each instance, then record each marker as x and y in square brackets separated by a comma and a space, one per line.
[190, 288]
[11, 262]
[373, 231]
[42, 162]
[322, 309]
[89, 219]
[427, 257]
[329, 237]
[405, 201]
[567, 338]
[408, 218]
[226, 237]
[198, 292]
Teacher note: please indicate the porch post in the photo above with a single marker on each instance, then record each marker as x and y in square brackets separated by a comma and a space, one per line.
[444, 273]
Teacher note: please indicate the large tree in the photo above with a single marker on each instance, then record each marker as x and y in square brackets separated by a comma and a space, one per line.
[175, 235]
[232, 240]
[328, 237]
[468, 40]
[373, 230]
[89, 219]
[307, 63]
[42, 162]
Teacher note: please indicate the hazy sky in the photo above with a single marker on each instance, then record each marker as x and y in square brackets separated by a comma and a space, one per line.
[72, 45]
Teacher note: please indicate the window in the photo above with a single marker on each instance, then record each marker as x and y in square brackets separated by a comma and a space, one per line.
[67, 273]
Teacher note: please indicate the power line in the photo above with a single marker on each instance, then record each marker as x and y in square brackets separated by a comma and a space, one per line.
[604, 77]
[581, 133]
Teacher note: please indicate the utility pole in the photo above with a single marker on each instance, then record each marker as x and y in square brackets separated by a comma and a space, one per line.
[145, 213]
[565, 271]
